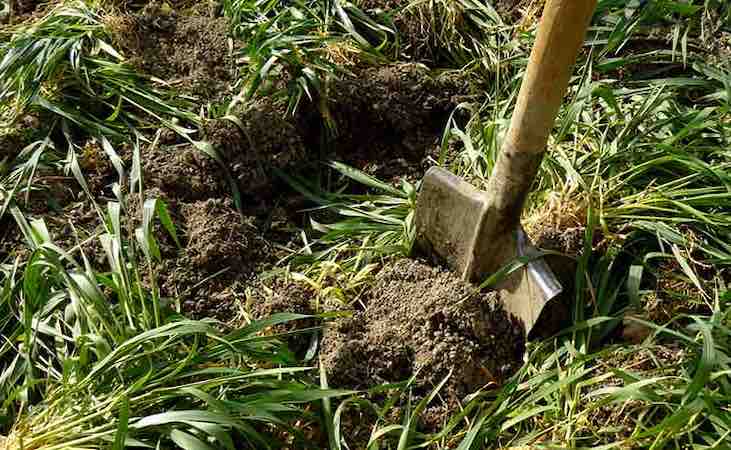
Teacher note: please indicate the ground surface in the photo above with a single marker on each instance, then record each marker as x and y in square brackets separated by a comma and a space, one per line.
[425, 320]
[238, 221]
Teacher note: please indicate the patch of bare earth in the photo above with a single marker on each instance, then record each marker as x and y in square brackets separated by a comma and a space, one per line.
[389, 119]
[425, 320]
[191, 53]
[221, 251]
[267, 140]
[184, 173]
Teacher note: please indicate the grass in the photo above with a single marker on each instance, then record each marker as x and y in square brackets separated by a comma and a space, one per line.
[649, 165]
[304, 45]
[374, 226]
[93, 356]
[63, 64]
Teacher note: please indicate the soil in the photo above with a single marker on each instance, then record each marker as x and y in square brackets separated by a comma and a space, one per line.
[418, 40]
[10, 239]
[424, 319]
[221, 251]
[190, 52]
[14, 139]
[268, 140]
[184, 173]
[23, 10]
[389, 119]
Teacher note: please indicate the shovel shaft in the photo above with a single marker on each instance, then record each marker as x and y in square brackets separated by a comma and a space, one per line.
[560, 37]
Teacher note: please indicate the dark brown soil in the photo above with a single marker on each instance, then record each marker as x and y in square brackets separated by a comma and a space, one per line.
[23, 10]
[221, 251]
[569, 241]
[424, 319]
[188, 52]
[388, 119]
[10, 146]
[10, 239]
[14, 139]
[184, 173]
[269, 140]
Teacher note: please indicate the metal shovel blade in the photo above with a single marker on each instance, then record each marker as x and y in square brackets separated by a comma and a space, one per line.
[449, 217]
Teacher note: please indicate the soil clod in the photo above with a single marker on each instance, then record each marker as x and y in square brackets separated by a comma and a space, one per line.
[388, 119]
[424, 319]
[189, 52]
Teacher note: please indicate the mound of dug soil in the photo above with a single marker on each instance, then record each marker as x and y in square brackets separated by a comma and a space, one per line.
[426, 320]
[221, 251]
[190, 52]
[270, 139]
[184, 173]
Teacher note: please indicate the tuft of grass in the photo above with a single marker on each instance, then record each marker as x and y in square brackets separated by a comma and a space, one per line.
[63, 64]
[94, 356]
[301, 46]
[371, 226]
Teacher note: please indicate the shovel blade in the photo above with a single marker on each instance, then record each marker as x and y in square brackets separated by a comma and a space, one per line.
[449, 217]
[527, 292]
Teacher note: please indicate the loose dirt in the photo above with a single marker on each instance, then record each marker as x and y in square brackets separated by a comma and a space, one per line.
[268, 139]
[389, 119]
[22, 10]
[425, 320]
[189, 52]
[221, 251]
[184, 173]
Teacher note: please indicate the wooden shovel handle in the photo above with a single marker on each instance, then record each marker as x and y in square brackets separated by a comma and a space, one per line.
[560, 36]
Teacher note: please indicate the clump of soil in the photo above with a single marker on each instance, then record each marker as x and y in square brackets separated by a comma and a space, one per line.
[190, 52]
[22, 9]
[218, 236]
[10, 238]
[424, 319]
[184, 173]
[222, 249]
[270, 139]
[392, 116]
[569, 241]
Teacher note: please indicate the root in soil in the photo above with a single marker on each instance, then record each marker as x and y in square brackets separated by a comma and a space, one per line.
[184, 173]
[425, 320]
